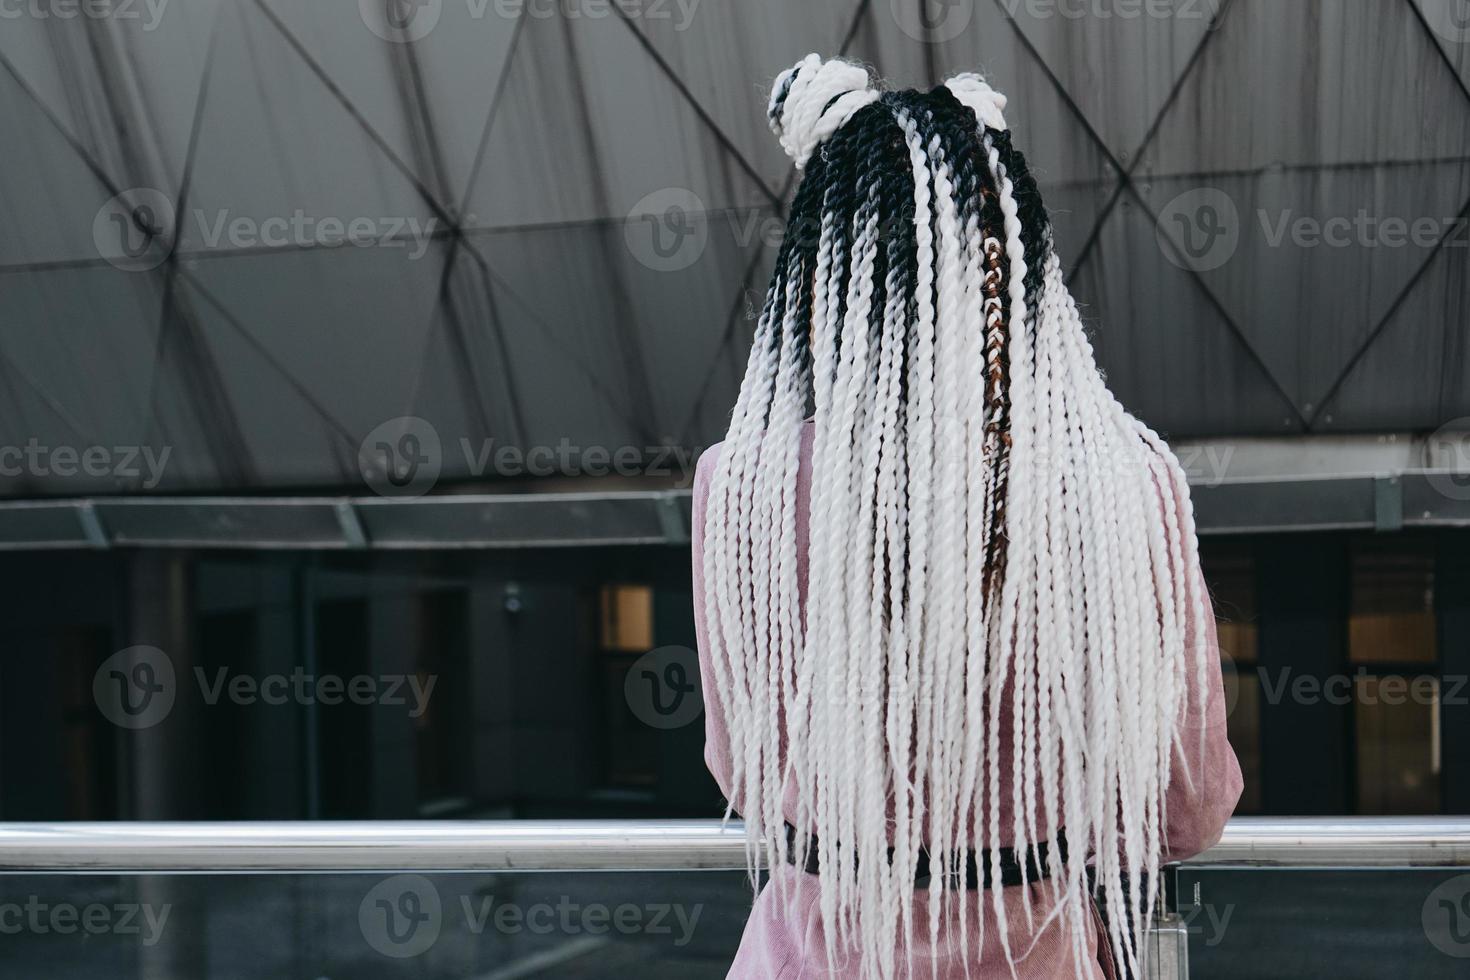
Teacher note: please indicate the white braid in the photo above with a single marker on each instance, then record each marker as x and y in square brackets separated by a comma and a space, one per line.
[919, 620]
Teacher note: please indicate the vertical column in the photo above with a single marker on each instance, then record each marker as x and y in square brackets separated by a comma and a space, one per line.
[165, 758]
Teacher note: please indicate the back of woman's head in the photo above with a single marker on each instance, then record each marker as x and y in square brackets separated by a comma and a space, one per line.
[1000, 559]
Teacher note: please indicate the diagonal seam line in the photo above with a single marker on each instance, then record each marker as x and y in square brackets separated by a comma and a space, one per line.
[1376, 333]
[377, 139]
[386, 149]
[435, 309]
[89, 161]
[250, 339]
[1056, 83]
[1095, 234]
[1444, 55]
[206, 76]
[1252, 172]
[171, 264]
[1126, 173]
[744, 286]
[1087, 127]
[552, 337]
[1224, 314]
[372, 134]
[730, 321]
[852, 28]
[84, 432]
[699, 110]
[98, 171]
[1215, 27]
[497, 334]
[169, 283]
[1126, 184]
[500, 85]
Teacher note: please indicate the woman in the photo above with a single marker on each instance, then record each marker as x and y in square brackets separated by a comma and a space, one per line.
[961, 667]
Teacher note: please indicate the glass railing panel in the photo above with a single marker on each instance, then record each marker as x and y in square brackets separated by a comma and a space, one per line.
[458, 926]
[1254, 924]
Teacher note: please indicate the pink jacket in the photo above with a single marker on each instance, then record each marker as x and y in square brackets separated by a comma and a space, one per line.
[785, 941]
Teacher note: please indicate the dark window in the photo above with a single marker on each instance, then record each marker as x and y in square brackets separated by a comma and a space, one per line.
[626, 633]
[1394, 655]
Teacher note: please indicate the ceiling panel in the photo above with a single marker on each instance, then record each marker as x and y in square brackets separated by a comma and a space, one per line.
[620, 198]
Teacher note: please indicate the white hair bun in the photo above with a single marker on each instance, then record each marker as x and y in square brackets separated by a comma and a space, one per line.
[985, 102]
[813, 99]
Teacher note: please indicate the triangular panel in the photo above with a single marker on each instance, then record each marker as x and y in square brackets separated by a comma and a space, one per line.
[588, 126]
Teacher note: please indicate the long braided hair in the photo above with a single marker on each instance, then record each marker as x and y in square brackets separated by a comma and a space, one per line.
[985, 552]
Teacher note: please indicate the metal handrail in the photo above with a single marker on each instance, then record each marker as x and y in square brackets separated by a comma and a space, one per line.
[619, 845]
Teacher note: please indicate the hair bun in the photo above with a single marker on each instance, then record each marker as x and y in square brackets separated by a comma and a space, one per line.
[813, 99]
[985, 102]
